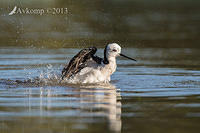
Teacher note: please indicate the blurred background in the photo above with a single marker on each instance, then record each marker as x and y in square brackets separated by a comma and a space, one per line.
[131, 23]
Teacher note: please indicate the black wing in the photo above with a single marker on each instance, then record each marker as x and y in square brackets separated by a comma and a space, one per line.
[78, 62]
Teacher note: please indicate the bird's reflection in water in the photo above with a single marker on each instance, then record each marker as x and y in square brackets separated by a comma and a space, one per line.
[106, 98]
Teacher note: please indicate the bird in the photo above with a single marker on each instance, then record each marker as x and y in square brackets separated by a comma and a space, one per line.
[86, 67]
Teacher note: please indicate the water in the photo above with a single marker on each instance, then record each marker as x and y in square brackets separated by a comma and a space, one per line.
[159, 93]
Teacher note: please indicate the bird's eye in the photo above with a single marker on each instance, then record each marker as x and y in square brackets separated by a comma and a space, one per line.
[114, 50]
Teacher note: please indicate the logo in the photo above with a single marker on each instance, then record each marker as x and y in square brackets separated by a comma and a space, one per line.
[13, 11]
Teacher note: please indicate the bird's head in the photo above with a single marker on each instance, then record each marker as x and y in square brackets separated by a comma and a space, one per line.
[113, 50]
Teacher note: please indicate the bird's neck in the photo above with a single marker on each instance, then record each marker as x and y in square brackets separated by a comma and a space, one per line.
[112, 64]
[111, 59]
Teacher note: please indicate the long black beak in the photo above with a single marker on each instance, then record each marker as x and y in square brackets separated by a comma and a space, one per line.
[127, 57]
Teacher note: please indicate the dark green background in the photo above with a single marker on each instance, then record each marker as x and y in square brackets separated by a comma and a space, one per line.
[134, 23]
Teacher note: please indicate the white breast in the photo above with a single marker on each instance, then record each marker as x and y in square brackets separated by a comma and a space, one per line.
[95, 74]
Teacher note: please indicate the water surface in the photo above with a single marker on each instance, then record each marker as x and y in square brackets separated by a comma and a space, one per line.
[158, 93]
